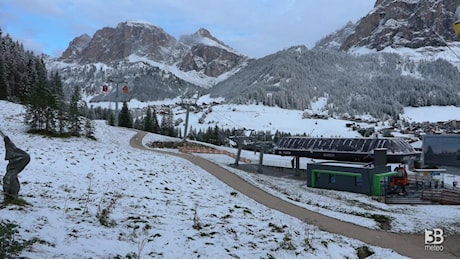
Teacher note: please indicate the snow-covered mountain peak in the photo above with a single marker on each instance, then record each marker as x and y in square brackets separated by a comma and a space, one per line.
[204, 37]
[400, 23]
[198, 60]
[137, 23]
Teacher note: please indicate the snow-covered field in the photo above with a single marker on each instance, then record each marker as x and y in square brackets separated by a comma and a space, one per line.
[346, 206]
[150, 201]
[256, 117]
[264, 118]
[104, 199]
[432, 113]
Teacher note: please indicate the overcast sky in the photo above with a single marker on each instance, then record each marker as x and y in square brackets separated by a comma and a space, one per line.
[253, 27]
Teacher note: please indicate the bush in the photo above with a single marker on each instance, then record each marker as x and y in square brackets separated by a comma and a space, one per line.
[363, 252]
[10, 246]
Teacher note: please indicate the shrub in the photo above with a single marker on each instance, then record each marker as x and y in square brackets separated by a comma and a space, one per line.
[10, 246]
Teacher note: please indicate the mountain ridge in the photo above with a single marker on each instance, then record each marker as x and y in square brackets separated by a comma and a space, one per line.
[402, 23]
[167, 65]
[294, 77]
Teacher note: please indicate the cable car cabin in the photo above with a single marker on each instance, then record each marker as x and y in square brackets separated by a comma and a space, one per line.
[457, 21]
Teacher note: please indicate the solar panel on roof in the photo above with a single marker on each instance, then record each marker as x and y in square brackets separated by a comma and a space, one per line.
[357, 148]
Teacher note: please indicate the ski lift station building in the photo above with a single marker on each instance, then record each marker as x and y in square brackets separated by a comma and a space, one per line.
[364, 178]
[352, 164]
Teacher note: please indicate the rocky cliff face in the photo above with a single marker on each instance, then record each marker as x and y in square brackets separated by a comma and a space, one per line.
[110, 44]
[200, 52]
[334, 41]
[404, 23]
[208, 55]
[76, 46]
[155, 64]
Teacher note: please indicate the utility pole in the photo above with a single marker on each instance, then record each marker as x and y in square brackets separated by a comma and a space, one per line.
[187, 103]
[116, 81]
[240, 139]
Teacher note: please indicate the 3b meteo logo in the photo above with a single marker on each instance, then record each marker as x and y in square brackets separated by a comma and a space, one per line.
[434, 239]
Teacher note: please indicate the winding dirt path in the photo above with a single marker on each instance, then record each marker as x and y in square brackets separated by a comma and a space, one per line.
[410, 245]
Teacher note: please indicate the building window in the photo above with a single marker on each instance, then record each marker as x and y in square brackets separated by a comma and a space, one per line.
[359, 181]
[331, 178]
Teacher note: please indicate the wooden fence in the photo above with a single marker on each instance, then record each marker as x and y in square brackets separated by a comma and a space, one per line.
[186, 149]
[443, 196]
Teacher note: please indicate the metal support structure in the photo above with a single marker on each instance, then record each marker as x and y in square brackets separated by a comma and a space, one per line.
[297, 166]
[238, 153]
[260, 146]
[239, 141]
[116, 81]
[187, 103]
[261, 159]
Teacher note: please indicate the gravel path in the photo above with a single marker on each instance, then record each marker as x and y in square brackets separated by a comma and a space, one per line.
[410, 245]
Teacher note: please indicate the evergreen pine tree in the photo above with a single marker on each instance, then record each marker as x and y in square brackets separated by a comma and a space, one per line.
[3, 85]
[163, 125]
[139, 124]
[58, 92]
[125, 119]
[40, 109]
[111, 119]
[148, 123]
[74, 112]
[167, 124]
[89, 128]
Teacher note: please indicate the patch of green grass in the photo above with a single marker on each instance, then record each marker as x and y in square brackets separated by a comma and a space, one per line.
[276, 228]
[363, 252]
[10, 245]
[9, 200]
[247, 211]
[324, 243]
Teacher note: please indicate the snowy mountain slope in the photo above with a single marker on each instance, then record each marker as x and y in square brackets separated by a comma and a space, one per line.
[402, 23]
[377, 83]
[150, 201]
[364, 80]
[199, 59]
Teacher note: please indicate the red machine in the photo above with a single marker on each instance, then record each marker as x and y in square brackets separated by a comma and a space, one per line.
[401, 178]
[399, 182]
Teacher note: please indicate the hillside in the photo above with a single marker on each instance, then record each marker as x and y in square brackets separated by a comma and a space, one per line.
[387, 60]
[353, 83]
[149, 200]
[153, 63]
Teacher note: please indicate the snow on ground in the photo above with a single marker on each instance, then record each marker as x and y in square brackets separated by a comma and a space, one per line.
[263, 118]
[431, 113]
[254, 117]
[346, 206]
[104, 199]
[449, 53]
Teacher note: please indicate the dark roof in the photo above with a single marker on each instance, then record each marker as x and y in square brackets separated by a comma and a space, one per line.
[359, 145]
